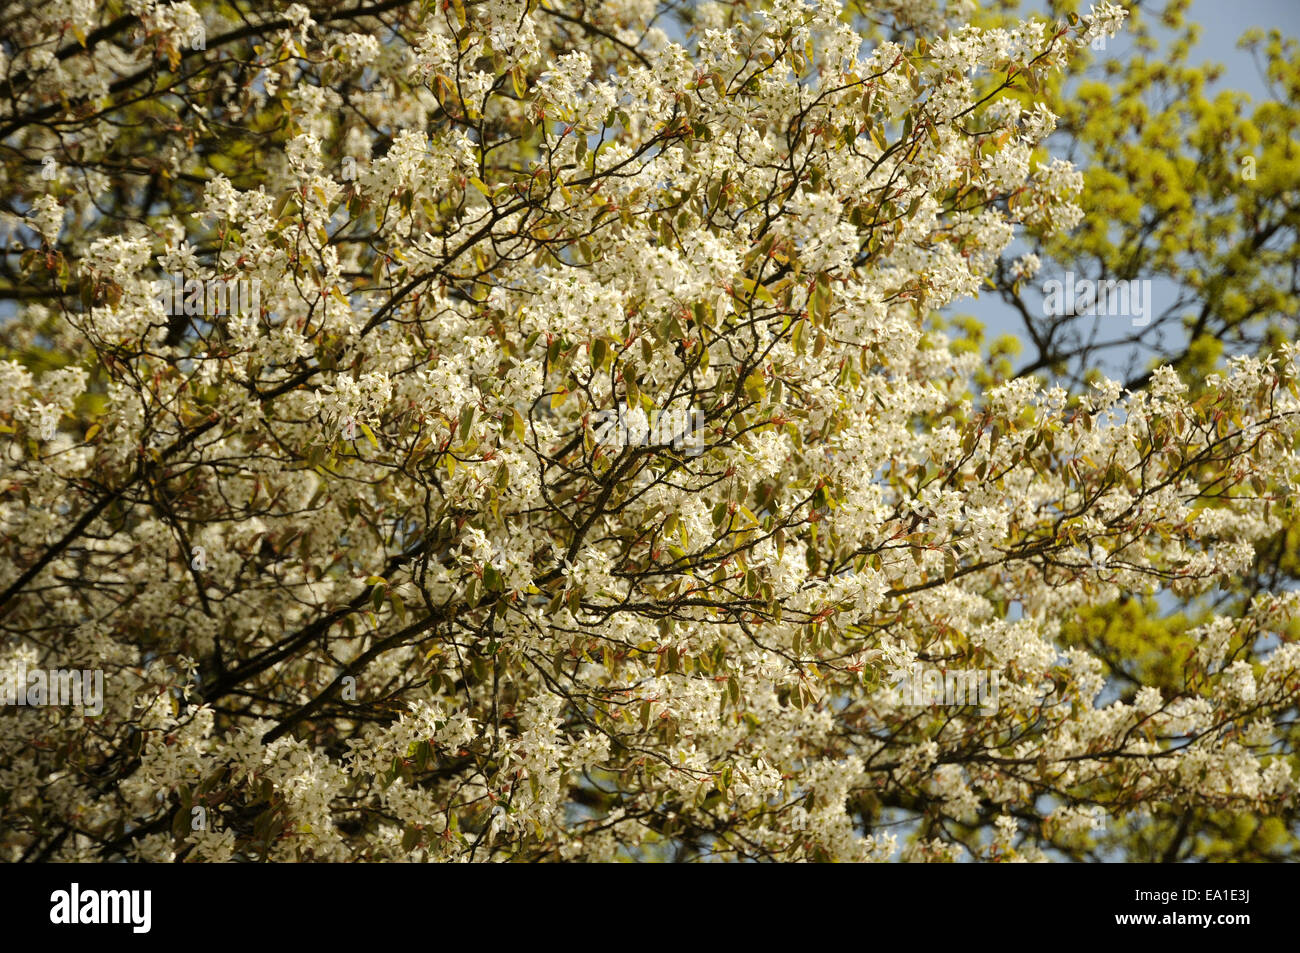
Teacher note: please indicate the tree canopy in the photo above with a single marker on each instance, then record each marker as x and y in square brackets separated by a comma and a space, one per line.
[317, 320]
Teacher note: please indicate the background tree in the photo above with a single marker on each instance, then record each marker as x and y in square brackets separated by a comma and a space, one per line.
[1193, 188]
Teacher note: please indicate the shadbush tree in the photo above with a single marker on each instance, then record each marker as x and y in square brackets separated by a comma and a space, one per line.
[365, 574]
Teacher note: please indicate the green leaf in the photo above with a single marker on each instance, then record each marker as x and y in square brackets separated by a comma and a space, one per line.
[410, 838]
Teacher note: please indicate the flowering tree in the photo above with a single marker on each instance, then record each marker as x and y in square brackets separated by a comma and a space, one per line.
[368, 578]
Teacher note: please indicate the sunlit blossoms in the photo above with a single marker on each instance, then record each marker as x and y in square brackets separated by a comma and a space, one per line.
[441, 614]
